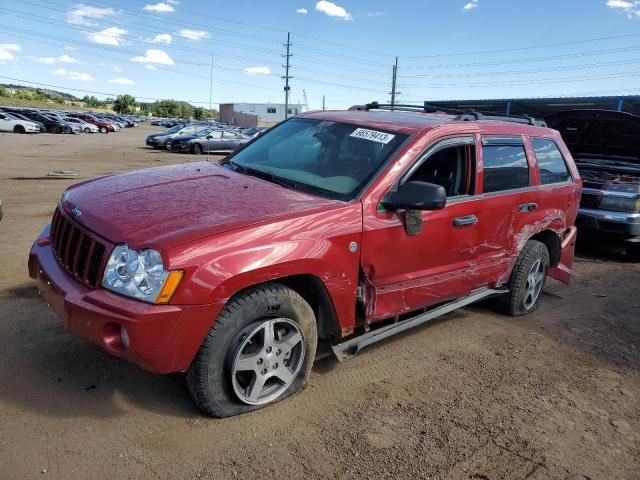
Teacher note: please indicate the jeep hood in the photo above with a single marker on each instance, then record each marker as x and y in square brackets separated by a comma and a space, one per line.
[166, 206]
[599, 133]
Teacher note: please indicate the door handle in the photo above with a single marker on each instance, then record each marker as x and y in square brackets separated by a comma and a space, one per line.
[527, 207]
[464, 221]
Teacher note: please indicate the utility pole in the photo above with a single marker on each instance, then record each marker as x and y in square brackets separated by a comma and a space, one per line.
[322, 102]
[393, 84]
[210, 86]
[286, 77]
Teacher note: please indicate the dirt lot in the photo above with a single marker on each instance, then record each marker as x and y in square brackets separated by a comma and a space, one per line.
[477, 395]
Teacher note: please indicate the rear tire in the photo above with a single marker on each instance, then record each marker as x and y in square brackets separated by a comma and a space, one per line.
[55, 130]
[527, 280]
[219, 380]
[18, 129]
[103, 129]
[167, 145]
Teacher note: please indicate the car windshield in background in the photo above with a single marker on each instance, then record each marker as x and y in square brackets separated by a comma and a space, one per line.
[203, 132]
[332, 159]
[175, 129]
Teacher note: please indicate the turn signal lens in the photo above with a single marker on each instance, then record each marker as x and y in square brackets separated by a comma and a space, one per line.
[170, 286]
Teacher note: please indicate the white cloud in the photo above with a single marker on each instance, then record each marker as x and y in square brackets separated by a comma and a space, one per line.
[84, 77]
[69, 49]
[8, 49]
[162, 38]
[154, 56]
[173, 2]
[122, 81]
[302, 11]
[159, 8]
[333, 10]
[471, 5]
[375, 14]
[80, 13]
[153, 68]
[64, 58]
[257, 71]
[630, 7]
[108, 36]
[117, 68]
[193, 34]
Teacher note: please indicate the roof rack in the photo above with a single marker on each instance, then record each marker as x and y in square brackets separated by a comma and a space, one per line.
[460, 115]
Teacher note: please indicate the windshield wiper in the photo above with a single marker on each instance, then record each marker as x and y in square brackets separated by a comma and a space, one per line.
[283, 182]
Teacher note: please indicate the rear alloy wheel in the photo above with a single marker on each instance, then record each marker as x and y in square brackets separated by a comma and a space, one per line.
[103, 129]
[527, 280]
[259, 351]
[168, 145]
[196, 149]
[18, 129]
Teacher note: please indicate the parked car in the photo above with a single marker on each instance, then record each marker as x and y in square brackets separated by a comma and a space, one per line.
[103, 126]
[9, 123]
[254, 131]
[84, 126]
[163, 139]
[209, 140]
[52, 125]
[17, 115]
[72, 127]
[344, 227]
[606, 148]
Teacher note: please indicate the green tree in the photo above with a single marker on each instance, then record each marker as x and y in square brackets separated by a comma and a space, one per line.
[4, 92]
[200, 113]
[124, 104]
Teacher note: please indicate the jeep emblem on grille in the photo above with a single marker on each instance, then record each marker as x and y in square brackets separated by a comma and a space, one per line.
[76, 212]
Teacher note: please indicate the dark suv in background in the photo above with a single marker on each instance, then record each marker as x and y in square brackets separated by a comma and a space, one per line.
[606, 149]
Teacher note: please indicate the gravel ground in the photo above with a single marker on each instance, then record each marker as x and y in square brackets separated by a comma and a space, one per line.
[476, 395]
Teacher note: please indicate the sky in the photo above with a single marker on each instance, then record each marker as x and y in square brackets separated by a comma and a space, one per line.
[342, 50]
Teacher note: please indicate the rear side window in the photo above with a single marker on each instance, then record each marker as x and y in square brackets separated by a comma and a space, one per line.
[553, 168]
[505, 168]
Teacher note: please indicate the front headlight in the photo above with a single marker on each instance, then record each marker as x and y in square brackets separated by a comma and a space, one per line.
[620, 204]
[140, 274]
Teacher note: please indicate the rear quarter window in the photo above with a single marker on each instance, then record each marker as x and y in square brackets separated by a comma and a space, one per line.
[505, 168]
[553, 168]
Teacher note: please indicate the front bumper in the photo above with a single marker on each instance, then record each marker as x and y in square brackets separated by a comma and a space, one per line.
[162, 338]
[620, 225]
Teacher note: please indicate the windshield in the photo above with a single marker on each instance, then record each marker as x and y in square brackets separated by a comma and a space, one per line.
[175, 129]
[203, 132]
[329, 158]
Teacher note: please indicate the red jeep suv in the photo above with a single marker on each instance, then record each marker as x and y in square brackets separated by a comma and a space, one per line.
[344, 227]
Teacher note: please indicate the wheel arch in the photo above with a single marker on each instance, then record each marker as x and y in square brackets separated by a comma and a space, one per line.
[553, 243]
[313, 290]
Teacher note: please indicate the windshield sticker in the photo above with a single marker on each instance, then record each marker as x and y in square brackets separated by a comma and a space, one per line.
[373, 135]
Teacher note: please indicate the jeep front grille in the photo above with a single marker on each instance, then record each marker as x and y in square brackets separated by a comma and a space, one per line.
[80, 253]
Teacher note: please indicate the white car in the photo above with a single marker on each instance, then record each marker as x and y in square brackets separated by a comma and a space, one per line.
[86, 127]
[9, 123]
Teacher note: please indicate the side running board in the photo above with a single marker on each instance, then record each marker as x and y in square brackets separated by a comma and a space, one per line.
[350, 348]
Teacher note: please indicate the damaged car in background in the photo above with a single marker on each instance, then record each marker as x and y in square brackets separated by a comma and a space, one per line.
[606, 148]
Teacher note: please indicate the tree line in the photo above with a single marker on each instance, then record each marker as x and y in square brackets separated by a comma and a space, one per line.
[126, 104]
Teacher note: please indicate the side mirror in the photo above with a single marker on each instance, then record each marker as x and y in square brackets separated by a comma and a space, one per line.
[416, 196]
[209, 137]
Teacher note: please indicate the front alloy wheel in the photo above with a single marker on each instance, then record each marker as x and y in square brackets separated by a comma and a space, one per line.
[268, 360]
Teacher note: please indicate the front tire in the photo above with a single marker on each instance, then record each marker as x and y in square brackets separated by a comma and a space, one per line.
[167, 145]
[55, 130]
[87, 130]
[527, 280]
[259, 351]
[633, 252]
[103, 129]
[18, 129]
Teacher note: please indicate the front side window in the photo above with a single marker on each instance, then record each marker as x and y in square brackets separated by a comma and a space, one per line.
[551, 164]
[328, 158]
[452, 167]
[505, 167]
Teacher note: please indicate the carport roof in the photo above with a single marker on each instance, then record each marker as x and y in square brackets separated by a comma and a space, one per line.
[541, 107]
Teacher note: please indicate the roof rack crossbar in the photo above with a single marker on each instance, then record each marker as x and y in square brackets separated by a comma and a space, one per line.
[460, 114]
